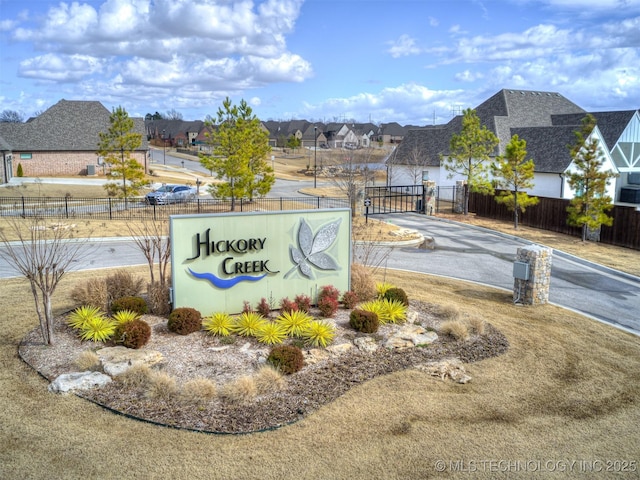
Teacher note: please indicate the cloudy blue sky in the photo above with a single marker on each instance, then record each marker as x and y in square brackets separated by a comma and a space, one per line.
[410, 61]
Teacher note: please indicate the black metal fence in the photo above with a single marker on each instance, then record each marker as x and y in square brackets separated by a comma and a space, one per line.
[395, 199]
[137, 208]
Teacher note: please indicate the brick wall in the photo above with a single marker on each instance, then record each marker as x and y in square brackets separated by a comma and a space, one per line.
[51, 164]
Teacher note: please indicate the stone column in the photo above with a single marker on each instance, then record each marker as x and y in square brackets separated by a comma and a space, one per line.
[430, 197]
[458, 201]
[533, 290]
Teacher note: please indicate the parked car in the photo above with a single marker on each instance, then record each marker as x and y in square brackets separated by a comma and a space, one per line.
[171, 194]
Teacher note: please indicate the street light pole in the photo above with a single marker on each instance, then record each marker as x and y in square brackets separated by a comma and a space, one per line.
[315, 156]
[164, 148]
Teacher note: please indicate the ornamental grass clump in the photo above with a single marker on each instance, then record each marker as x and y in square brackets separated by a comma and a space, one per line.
[388, 311]
[269, 380]
[97, 329]
[456, 329]
[125, 316]
[220, 324]
[295, 322]
[271, 333]
[79, 317]
[319, 334]
[248, 324]
[241, 390]
[88, 360]
[198, 390]
[382, 287]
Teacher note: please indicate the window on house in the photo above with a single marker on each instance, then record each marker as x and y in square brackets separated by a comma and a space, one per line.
[25, 156]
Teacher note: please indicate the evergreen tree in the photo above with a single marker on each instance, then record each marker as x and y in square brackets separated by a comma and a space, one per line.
[514, 174]
[116, 147]
[469, 153]
[587, 209]
[239, 158]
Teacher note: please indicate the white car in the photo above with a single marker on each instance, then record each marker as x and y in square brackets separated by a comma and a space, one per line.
[171, 194]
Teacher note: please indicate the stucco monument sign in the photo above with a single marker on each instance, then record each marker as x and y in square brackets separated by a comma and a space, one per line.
[219, 261]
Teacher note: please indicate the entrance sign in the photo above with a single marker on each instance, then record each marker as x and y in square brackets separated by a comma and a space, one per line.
[220, 261]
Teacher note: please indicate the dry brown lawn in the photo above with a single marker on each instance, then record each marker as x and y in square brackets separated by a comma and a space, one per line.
[568, 389]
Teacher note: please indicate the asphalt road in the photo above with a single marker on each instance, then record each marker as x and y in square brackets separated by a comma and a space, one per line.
[478, 255]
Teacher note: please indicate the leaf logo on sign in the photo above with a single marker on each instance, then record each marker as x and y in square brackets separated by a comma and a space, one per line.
[311, 248]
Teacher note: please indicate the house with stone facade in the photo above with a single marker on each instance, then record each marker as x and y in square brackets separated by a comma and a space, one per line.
[63, 140]
[547, 122]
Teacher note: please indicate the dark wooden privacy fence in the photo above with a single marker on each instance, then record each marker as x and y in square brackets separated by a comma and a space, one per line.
[551, 214]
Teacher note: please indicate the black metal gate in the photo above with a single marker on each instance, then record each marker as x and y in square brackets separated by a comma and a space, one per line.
[395, 199]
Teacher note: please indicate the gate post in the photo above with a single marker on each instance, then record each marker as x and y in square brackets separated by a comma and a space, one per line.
[429, 190]
[532, 275]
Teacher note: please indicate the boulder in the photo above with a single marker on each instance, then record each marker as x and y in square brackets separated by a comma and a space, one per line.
[78, 381]
[410, 335]
[448, 367]
[315, 355]
[117, 360]
[366, 344]
[340, 348]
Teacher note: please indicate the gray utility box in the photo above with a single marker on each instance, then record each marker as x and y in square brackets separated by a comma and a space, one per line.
[91, 169]
[521, 270]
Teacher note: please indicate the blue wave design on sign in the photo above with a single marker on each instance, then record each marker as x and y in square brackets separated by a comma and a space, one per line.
[225, 283]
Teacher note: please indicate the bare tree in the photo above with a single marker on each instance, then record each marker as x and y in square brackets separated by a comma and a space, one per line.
[43, 256]
[415, 164]
[152, 239]
[11, 116]
[352, 174]
[173, 114]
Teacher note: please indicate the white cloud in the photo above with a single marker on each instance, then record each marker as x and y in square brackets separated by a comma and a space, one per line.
[403, 46]
[61, 68]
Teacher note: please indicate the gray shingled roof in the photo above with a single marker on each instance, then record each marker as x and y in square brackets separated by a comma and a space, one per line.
[548, 147]
[69, 125]
[610, 124]
[504, 113]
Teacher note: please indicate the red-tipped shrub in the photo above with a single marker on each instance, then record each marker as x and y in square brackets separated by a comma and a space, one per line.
[184, 320]
[288, 306]
[304, 303]
[349, 299]
[328, 306]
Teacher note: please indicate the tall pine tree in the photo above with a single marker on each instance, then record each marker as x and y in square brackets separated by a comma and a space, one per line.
[588, 208]
[116, 147]
[514, 174]
[469, 153]
[239, 154]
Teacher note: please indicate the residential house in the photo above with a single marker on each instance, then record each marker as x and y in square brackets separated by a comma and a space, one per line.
[63, 140]
[547, 122]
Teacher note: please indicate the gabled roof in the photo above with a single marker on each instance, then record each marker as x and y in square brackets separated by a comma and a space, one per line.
[548, 147]
[429, 144]
[69, 125]
[393, 129]
[610, 124]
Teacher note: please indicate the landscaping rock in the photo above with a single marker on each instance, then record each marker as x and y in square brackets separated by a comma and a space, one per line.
[117, 360]
[409, 336]
[366, 344]
[78, 381]
[449, 367]
[340, 348]
[315, 355]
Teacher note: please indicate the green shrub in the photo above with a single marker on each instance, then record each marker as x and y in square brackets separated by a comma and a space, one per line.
[134, 304]
[319, 334]
[286, 358]
[396, 293]
[364, 321]
[349, 300]
[133, 334]
[219, 323]
[184, 320]
[19, 171]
